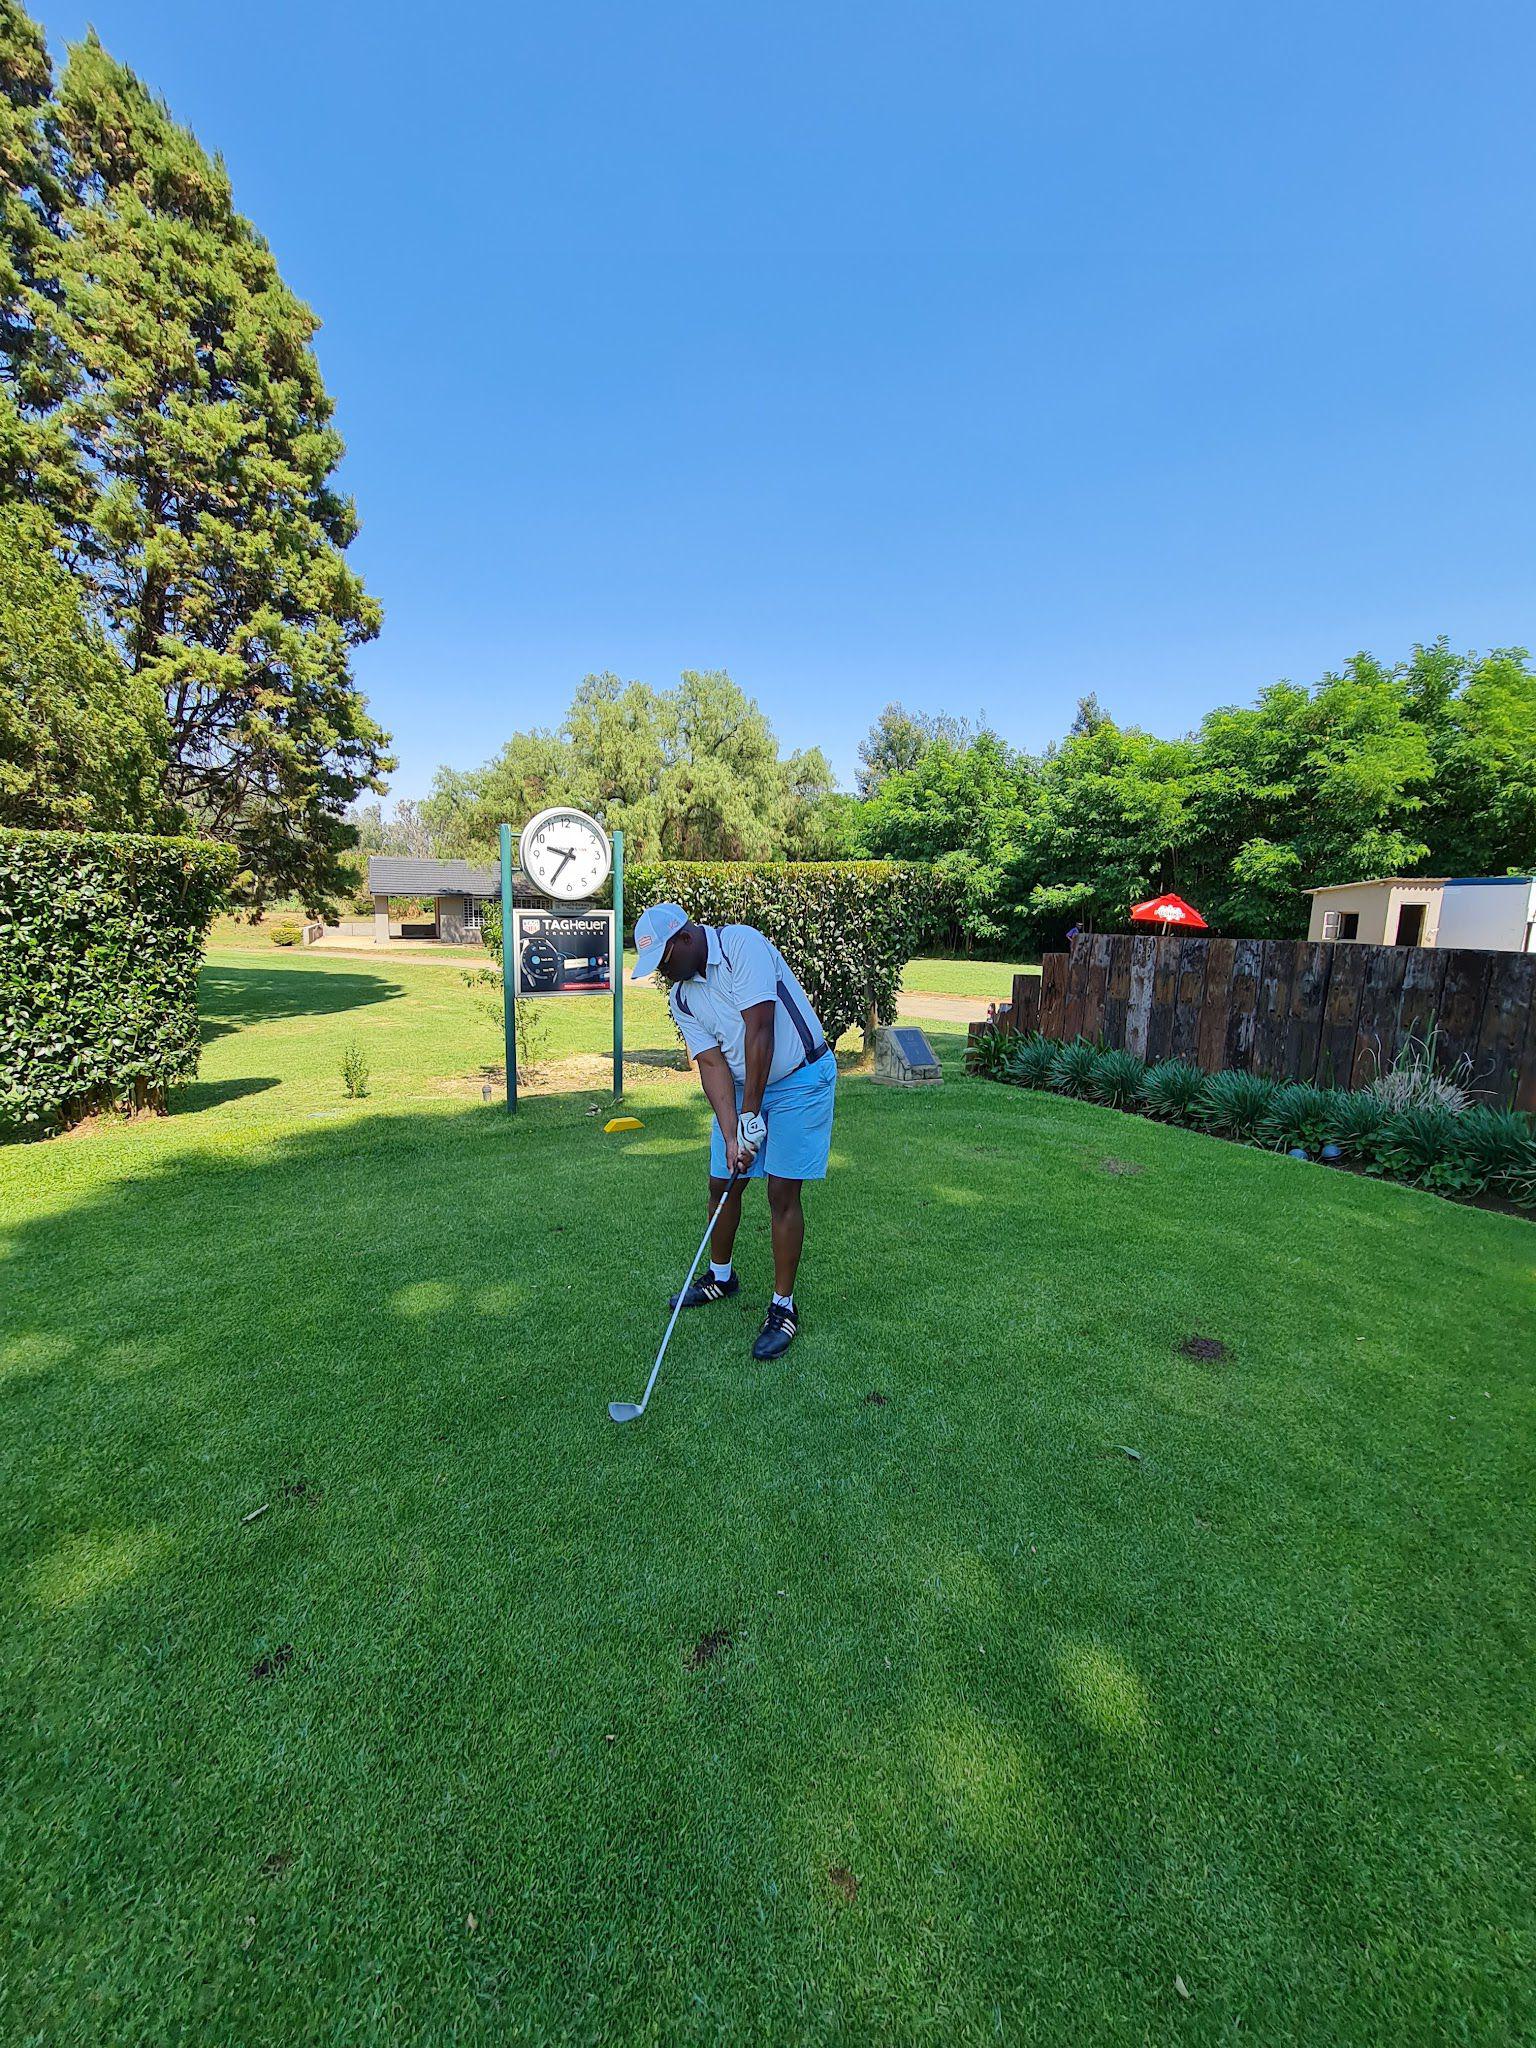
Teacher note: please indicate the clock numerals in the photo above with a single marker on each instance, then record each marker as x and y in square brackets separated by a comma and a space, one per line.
[565, 852]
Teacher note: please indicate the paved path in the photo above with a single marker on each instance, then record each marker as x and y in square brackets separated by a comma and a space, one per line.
[915, 1003]
[946, 1009]
[428, 950]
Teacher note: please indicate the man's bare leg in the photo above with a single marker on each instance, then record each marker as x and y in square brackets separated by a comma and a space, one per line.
[723, 1236]
[788, 1222]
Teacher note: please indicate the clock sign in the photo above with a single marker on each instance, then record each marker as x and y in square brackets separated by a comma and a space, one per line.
[565, 853]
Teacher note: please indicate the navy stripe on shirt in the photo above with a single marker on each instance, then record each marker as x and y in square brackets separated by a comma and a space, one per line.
[797, 1018]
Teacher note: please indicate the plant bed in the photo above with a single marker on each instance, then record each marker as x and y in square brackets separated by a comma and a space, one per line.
[1411, 1125]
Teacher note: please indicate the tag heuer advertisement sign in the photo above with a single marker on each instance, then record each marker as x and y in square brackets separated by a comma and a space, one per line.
[563, 956]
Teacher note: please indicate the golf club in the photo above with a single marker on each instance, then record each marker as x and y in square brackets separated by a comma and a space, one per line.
[629, 1411]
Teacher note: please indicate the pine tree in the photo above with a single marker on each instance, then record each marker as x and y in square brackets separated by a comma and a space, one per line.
[82, 741]
[212, 534]
[35, 463]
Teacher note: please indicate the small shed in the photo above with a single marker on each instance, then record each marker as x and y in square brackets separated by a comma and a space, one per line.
[1493, 913]
[459, 892]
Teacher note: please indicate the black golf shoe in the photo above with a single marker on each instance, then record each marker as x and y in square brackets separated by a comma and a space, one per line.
[704, 1291]
[778, 1331]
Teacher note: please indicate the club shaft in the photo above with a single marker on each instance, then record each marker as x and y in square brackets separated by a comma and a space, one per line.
[678, 1307]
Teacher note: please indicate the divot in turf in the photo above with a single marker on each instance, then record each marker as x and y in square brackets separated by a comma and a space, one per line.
[1209, 1350]
[712, 1644]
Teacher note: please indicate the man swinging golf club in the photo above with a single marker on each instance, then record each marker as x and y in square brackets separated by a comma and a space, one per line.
[770, 1077]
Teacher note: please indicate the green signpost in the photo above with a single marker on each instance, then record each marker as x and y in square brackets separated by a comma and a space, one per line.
[618, 964]
[508, 966]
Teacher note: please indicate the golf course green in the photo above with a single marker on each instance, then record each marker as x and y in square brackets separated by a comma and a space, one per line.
[992, 1669]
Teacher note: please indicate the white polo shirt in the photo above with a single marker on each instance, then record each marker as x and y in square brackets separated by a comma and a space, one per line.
[744, 968]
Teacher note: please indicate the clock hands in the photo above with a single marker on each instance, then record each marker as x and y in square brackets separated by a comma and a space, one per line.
[588, 859]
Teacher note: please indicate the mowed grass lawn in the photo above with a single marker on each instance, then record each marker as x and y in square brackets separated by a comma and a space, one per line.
[883, 1695]
[990, 980]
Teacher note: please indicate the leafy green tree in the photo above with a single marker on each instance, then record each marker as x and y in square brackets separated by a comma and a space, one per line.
[1305, 787]
[82, 740]
[461, 816]
[723, 793]
[607, 756]
[367, 822]
[963, 805]
[1110, 816]
[1479, 719]
[815, 824]
[615, 739]
[211, 534]
[899, 738]
[692, 773]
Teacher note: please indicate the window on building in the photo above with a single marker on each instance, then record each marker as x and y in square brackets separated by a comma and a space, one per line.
[1341, 924]
[473, 906]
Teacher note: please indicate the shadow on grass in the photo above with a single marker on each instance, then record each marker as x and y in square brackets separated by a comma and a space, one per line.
[232, 997]
[191, 1096]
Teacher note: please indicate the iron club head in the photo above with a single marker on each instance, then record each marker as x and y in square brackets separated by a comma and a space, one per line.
[623, 1411]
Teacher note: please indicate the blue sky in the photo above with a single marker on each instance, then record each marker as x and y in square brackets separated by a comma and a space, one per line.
[973, 355]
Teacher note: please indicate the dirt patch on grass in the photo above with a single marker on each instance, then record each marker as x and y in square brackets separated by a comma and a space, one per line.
[279, 1660]
[275, 1864]
[714, 1643]
[843, 1882]
[1209, 1350]
[876, 1399]
[303, 1490]
[1120, 1167]
[579, 1072]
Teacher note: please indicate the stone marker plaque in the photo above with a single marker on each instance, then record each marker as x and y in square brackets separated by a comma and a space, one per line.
[905, 1059]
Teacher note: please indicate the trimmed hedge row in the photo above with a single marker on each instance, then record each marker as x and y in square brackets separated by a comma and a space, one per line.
[847, 928]
[1461, 1153]
[101, 935]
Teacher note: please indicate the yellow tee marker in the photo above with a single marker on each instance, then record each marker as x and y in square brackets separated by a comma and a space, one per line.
[623, 1123]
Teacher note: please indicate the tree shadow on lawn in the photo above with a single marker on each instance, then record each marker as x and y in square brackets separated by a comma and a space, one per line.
[230, 998]
[970, 1657]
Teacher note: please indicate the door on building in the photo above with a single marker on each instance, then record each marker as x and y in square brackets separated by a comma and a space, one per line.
[1410, 925]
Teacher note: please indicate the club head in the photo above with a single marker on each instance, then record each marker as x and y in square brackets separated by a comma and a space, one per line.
[622, 1411]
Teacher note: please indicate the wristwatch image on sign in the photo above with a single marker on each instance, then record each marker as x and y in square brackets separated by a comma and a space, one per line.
[540, 964]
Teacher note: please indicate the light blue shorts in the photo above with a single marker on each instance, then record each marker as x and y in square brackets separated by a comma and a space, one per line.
[799, 1114]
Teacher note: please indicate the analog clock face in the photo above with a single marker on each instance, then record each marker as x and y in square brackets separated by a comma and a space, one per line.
[565, 853]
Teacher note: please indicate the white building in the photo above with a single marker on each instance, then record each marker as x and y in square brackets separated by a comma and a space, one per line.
[1493, 913]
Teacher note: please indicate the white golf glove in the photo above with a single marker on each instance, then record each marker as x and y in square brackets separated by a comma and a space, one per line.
[750, 1133]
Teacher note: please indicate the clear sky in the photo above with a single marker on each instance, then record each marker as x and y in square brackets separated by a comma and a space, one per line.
[976, 355]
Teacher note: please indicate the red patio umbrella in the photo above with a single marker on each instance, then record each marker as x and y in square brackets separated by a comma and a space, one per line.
[1167, 910]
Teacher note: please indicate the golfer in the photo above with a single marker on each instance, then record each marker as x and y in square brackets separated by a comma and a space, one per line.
[770, 1076]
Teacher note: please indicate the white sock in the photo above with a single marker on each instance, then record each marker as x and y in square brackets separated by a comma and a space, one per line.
[783, 1301]
[720, 1272]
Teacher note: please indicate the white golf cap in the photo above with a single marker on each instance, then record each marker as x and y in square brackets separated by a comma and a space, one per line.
[653, 928]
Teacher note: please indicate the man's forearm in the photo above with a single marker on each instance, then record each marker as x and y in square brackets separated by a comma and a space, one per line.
[720, 1089]
[758, 1059]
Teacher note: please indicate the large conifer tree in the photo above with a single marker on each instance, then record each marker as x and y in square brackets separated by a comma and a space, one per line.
[35, 461]
[209, 528]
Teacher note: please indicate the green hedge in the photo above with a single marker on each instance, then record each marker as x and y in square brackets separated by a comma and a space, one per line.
[847, 928]
[101, 934]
